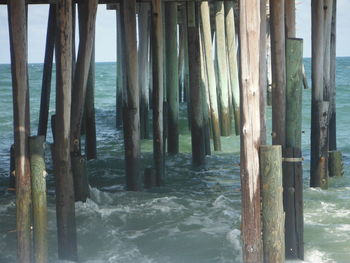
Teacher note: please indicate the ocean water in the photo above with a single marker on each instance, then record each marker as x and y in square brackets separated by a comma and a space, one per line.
[195, 216]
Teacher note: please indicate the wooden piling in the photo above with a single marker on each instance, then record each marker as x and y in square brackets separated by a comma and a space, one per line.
[272, 203]
[336, 167]
[67, 239]
[80, 178]
[150, 179]
[319, 108]
[232, 61]
[157, 100]
[210, 69]
[18, 45]
[221, 55]
[292, 165]
[250, 19]
[131, 103]
[263, 70]
[328, 11]
[12, 181]
[172, 76]
[120, 72]
[144, 25]
[197, 125]
[38, 173]
[89, 112]
[278, 66]
[47, 72]
[332, 120]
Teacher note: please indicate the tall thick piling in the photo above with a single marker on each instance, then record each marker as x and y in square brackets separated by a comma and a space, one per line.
[221, 56]
[210, 70]
[250, 19]
[319, 152]
[18, 45]
[120, 72]
[278, 66]
[131, 103]
[157, 100]
[47, 72]
[197, 123]
[272, 203]
[172, 94]
[292, 165]
[263, 70]
[144, 26]
[66, 234]
[232, 61]
[38, 173]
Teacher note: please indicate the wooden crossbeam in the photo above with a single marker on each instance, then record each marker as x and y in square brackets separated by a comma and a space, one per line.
[38, 2]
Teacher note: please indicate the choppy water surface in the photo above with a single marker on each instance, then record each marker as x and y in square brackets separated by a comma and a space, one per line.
[195, 217]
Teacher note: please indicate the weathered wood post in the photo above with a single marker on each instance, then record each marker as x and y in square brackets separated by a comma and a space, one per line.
[197, 125]
[278, 66]
[319, 108]
[67, 239]
[18, 45]
[336, 167]
[120, 72]
[144, 25]
[221, 55]
[232, 60]
[272, 203]
[47, 72]
[90, 122]
[263, 70]
[131, 103]
[292, 166]
[250, 19]
[210, 69]
[172, 76]
[38, 173]
[332, 120]
[157, 63]
[12, 181]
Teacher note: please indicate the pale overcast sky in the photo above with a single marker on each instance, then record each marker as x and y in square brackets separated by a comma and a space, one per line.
[105, 31]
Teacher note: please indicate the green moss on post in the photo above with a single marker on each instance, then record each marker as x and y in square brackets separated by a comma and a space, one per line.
[335, 165]
[272, 203]
[38, 173]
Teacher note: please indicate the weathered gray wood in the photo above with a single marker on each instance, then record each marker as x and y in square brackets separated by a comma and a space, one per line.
[221, 56]
[120, 73]
[263, 70]
[90, 122]
[294, 64]
[38, 173]
[87, 16]
[232, 61]
[47, 72]
[12, 181]
[336, 166]
[319, 145]
[157, 63]
[272, 203]
[172, 76]
[80, 177]
[210, 69]
[293, 203]
[144, 26]
[332, 120]
[18, 46]
[66, 234]
[328, 11]
[290, 18]
[197, 123]
[250, 20]
[278, 66]
[131, 103]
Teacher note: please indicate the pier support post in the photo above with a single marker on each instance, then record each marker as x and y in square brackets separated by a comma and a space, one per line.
[336, 167]
[292, 166]
[67, 239]
[210, 69]
[197, 122]
[250, 19]
[172, 76]
[272, 203]
[221, 55]
[232, 61]
[18, 44]
[47, 72]
[38, 173]
[131, 103]
[120, 72]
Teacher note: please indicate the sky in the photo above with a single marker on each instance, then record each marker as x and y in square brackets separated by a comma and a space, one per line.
[106, 35]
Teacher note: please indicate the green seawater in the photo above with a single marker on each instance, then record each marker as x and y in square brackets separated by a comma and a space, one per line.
[195, 216]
